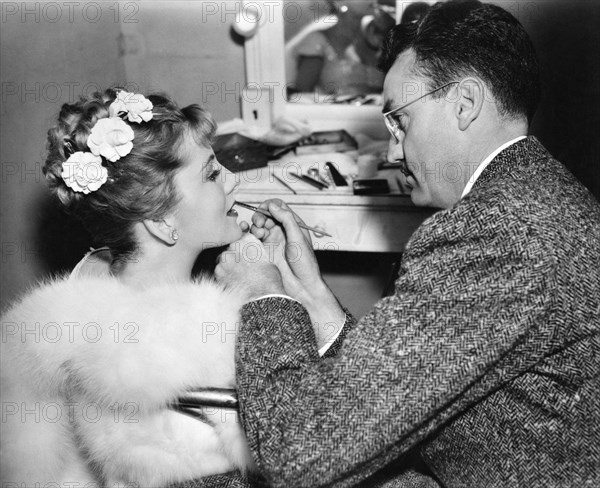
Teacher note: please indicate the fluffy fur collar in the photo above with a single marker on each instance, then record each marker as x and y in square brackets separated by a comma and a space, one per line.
[88, 368]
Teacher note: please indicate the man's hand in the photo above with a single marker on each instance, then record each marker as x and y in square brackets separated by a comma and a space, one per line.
[246, 264]
[290, 248]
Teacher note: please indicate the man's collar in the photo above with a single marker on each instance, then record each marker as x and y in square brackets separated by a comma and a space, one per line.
[485, 163]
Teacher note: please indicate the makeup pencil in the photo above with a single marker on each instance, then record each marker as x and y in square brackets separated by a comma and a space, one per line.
[266, 213]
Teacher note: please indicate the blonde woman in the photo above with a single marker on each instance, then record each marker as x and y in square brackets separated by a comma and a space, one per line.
[92, 365]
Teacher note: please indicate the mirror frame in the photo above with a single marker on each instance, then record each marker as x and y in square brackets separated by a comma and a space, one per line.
[265, 71]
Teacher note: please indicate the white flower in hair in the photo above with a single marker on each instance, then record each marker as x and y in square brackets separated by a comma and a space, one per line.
[83, 172]
[137, 107]
[111, 137]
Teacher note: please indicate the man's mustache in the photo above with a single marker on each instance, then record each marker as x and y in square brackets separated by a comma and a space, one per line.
[404, 169]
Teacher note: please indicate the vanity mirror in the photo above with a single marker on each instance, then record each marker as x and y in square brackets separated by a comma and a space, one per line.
[332, 49]
[316, 61]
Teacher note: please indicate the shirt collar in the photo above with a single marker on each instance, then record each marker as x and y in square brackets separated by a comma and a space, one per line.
[485, 163]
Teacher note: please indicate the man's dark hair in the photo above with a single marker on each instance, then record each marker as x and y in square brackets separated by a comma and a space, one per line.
[467, 38]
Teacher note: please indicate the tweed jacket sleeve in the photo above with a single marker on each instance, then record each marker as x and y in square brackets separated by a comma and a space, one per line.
[349, 324]
[475, 306]
[409, 365]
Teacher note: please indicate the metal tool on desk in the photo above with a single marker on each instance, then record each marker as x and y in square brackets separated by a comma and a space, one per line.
[316, 175]
[337, 177]
[277, 178]
[266, 213]
[309, 180]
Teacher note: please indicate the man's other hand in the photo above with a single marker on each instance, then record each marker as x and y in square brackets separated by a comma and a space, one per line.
[289, 248]
[245, 263]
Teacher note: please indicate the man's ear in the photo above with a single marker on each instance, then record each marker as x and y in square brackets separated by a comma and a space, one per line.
[161, 230]
[471, 93]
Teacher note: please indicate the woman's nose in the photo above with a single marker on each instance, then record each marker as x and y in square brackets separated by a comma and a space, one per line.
[231, 181]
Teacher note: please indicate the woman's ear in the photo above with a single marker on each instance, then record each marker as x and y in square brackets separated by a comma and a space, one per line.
[162, 231]
[471, 93]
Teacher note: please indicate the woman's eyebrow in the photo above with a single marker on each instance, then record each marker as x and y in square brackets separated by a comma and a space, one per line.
[208, 161]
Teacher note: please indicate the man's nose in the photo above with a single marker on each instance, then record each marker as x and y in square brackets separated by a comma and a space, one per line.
[395, 150]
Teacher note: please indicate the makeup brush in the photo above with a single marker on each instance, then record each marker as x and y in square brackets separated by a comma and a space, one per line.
[267, 214]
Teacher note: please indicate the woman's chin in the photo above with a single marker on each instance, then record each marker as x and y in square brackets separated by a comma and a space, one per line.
[238, 234]
[235, 234]
[231, 232]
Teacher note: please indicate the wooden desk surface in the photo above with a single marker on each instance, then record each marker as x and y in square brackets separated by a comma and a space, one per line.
[381, 223]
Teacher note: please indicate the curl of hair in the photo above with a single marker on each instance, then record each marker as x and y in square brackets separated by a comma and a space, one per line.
[140, 185]
[462, 38]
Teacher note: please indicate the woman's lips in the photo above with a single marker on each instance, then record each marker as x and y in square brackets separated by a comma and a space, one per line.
[232, 212]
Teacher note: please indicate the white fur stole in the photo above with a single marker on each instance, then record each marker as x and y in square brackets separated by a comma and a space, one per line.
[88, 368]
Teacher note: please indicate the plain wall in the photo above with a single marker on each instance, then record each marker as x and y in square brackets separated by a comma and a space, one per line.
[186, 49]
[567, 40]
[44, 63]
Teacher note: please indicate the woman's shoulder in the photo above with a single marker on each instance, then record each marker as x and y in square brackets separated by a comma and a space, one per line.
[94, 291]
[56, 293]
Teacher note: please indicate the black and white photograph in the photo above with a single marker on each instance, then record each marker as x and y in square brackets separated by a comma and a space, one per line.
[300, 243]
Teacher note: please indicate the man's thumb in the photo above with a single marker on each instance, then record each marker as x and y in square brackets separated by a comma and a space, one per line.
[285, 216]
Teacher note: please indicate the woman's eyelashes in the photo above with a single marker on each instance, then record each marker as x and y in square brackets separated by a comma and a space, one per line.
[213, 172]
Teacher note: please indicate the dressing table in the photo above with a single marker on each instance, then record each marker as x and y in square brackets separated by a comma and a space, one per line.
[374, 223]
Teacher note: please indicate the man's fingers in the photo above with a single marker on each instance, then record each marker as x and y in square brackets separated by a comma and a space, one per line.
[286, 217]
[259, 232]
[264, 222]
[265, 205]
[270, 223]
[259, 219]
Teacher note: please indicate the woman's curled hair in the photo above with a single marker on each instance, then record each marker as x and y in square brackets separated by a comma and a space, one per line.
[140, 185]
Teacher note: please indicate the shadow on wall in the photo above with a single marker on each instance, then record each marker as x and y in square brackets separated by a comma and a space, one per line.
[62, 239]
[359, 279]
[567, 122]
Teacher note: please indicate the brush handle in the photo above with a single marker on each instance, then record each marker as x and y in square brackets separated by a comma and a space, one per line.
[267, 214]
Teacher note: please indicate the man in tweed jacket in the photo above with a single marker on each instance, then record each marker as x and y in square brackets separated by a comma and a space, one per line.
[486, 360]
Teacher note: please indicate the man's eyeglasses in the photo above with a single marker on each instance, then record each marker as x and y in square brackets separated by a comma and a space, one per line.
[392, 123]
